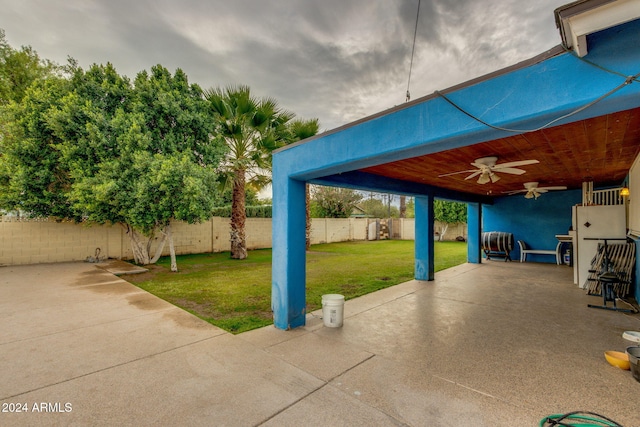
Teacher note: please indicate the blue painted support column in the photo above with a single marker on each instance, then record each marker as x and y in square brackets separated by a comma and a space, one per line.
[474, 233]
[424, 254]
[288, 296]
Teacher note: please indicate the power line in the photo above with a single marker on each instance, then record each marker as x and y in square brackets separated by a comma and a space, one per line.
[415, 32]
[628, 81]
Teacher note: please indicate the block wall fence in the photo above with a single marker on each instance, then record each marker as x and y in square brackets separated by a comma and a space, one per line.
[44, 241]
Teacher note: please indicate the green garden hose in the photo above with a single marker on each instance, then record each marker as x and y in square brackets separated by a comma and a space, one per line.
[578, 419]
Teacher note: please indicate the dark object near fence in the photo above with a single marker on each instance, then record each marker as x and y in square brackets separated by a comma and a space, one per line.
[497, 244]
[611, 273]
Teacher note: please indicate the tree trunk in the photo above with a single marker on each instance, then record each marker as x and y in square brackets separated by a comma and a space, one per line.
[444, 230]
[403, 206]
[141, 248]
[308, 218]
[140, 252]
[159, 249]
[238, 217]
[172, 251]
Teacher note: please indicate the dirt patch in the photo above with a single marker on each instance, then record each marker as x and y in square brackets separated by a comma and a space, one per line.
[209, 311]
[349, 287]
[200, 309]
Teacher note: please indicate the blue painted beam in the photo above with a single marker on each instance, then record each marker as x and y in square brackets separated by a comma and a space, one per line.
[424, 253]
[370, 182]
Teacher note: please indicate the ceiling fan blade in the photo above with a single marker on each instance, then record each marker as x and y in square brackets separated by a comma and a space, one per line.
[512, 192]
[518, 163]
[513, 171]
[459, 172]
[474, 174]
[540, 190]
[552, 188]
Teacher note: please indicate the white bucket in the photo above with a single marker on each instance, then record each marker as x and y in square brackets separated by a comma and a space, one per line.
[332, 310]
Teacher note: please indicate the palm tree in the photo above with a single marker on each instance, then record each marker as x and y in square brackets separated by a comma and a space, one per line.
[403, 207]
[252, 129]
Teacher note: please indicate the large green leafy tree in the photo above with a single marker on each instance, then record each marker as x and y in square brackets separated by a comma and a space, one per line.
[252, 129]
[20, 70]
[377, 208]
[449, 213]
[156, 159]
[333, 202]
[137, 154]
[32, 179]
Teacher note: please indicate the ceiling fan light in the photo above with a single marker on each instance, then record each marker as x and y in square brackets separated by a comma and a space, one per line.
[484, 178]
[529, 195]
[494, 177]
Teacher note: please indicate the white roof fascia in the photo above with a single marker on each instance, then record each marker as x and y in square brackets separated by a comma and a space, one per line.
[577, 25]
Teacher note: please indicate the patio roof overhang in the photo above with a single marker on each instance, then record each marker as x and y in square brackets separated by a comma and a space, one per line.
[578, 116]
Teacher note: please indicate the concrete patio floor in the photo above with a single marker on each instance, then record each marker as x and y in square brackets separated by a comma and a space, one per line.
[496, 344]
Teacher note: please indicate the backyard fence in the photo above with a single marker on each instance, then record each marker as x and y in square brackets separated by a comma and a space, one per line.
[34, 241]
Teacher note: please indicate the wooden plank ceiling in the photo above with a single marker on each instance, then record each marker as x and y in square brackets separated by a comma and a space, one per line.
[601, 149]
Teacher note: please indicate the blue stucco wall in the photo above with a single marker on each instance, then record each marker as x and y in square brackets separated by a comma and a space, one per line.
[534, 221]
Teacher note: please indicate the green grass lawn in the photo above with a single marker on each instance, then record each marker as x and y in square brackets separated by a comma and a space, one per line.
[236, 295]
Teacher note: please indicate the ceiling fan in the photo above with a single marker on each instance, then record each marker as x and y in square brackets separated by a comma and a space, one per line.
[533, 191]
[486, 169]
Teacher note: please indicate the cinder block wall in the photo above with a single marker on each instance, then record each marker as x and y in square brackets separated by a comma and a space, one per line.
[318, 231]
[330, 230]
[408, 229]
[258, 233]
[359, 228]
[34, 242]
[42, 241]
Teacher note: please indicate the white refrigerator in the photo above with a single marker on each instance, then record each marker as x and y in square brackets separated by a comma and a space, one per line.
[594, 222]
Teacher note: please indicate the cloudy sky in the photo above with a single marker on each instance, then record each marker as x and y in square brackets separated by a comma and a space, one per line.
[337, 60]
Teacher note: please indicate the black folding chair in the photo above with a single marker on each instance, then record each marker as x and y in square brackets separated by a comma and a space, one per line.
[608, 278]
